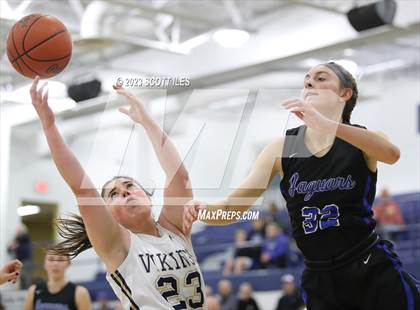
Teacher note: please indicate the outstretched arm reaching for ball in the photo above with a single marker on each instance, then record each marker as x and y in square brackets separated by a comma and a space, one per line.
[177, 188]
[108, 238]
[267, 165]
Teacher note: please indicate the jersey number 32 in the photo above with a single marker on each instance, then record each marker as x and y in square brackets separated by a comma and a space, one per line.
[315, 217]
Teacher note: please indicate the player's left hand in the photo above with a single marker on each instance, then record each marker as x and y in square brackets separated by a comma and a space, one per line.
[310, 116]
[136, 112]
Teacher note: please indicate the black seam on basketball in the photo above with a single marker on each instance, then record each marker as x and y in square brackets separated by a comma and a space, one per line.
[27, 31]
[20, 68]
[45, 40]
[9, 52]
[40, 75]
[14, 45]
[23, 47]
[36, 59]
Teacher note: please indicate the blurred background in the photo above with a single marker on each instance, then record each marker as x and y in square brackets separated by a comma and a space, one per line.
[241, 59]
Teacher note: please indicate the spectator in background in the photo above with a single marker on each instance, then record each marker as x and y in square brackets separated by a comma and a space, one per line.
[21, 249]
[227, 300]
[275, 248]
[291, 299]
[212, 302]
[245, 300]
[242, 254]
[279, 216]
[102, 302]
[388, 215]
[57, 292]
[257, 232]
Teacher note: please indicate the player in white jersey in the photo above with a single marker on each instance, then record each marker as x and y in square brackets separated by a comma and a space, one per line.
[150, 264]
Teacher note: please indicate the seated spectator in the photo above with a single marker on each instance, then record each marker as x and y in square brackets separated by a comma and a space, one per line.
[291, 299]
[103, 302]
[243, 254]
[21, 249]
[245, 300]
[388, 215]
[257, 232]
[275, 248]
[212, 302]
[227, 300]
[387, 211]
[279, 216]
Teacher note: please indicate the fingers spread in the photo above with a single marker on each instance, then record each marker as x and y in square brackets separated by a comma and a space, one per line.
[45, 97]
[34, 85]
[40, 91]
[297, 103]
[288, 101]
[299, 114]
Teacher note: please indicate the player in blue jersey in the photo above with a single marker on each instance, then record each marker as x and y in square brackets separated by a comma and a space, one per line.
[328, 168]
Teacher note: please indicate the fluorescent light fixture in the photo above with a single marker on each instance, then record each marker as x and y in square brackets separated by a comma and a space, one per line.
[311, 62]
[384, 66]
[348, 52]
[229, 38]
[28, 210]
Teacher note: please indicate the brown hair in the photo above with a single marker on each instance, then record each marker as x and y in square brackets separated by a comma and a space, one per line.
[73, 230]
[346, 81]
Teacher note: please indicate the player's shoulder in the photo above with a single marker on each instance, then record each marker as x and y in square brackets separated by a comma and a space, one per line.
[274, 148]
[32, 288]
[81, 290]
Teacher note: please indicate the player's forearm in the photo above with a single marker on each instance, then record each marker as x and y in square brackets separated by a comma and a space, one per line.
[65, 161]
[165, 150]
[371, 143]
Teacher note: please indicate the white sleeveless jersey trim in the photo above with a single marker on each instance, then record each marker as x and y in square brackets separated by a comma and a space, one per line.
[159, 273]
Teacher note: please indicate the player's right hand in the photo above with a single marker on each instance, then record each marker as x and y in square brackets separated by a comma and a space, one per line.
[10, 271]
[40, 103]
[191, 209]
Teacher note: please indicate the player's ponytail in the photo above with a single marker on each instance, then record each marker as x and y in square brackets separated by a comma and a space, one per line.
[73, 231]
[347, 81]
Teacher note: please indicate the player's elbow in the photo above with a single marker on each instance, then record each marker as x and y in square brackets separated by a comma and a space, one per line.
[393, 155]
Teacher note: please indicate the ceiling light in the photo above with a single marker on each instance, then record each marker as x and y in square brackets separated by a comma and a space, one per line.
[28, 210]
[229, 38]
[348, 52]
[385, 66]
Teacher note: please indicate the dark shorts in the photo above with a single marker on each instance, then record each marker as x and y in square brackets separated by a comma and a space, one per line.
[375, 281]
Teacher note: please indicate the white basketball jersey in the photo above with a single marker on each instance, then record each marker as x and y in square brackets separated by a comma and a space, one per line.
[159, 273]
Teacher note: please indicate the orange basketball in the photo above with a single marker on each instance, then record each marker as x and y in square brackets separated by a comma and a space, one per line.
[39, 44]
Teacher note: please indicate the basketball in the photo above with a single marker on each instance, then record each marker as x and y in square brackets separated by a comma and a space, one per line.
[39, 44]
